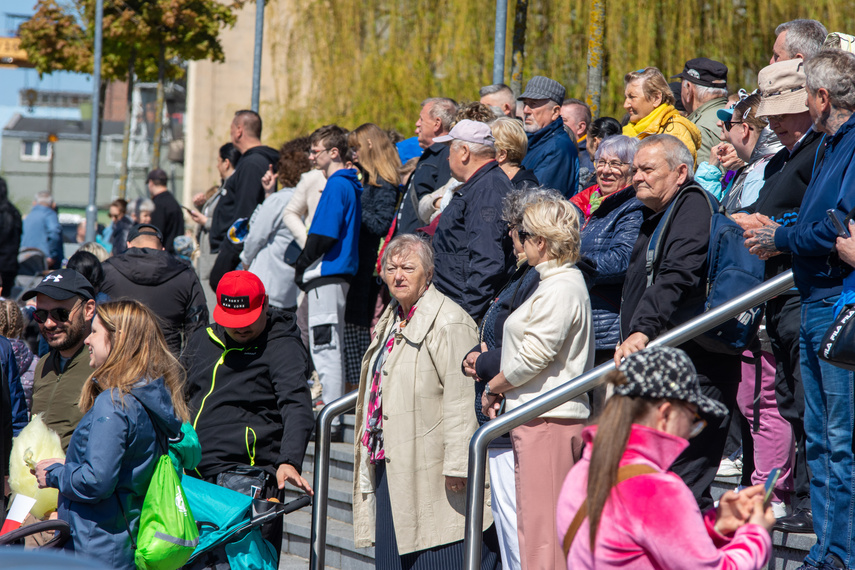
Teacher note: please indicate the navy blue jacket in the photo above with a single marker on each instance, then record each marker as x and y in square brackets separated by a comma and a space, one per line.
[432, 172]
[111, 458]
[553, 158]
[608, 238]
[472, 249]
[819, 272]
[12, 376]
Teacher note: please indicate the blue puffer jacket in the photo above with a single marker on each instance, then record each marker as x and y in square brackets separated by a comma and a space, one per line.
[607, 239]
[554, 158]
[111, 457]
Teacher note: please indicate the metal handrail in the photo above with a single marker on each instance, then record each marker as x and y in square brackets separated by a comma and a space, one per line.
[321, 481]
[495, 428]
[584, 383]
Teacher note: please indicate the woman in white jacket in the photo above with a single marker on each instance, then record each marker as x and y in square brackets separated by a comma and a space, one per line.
[547, 342]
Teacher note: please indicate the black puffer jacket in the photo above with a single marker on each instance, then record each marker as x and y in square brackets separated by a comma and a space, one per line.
[607, 239]
[250, 404]
[11, 228]
[165, 284]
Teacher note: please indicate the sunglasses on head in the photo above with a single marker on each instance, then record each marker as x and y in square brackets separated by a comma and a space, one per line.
[58, 315]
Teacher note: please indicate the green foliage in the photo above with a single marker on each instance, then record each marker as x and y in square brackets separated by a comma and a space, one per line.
[376, 60]
[61, 37]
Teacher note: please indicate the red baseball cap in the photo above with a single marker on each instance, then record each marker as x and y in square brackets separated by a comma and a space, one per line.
[240, 299]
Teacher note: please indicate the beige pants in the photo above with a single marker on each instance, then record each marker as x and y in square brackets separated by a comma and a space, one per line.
[544, 451]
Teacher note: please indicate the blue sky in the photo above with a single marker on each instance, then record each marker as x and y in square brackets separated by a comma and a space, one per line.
[13, 80]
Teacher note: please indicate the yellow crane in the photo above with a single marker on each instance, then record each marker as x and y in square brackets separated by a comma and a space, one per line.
[11, 54]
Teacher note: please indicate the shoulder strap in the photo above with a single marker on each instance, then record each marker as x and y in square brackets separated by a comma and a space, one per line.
[657, 242]
[624, 473]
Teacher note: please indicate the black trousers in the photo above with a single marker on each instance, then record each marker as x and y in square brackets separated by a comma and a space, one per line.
[719, 376]
[783, 320]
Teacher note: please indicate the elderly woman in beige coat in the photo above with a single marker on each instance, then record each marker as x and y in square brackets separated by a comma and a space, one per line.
[414, 420]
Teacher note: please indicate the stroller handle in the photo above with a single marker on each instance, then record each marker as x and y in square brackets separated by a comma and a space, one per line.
[297, 504]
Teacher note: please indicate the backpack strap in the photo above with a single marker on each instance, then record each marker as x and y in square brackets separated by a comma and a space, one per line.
[624, 473]
[657, 241]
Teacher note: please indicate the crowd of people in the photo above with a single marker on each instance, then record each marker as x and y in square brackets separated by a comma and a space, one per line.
[513, 244]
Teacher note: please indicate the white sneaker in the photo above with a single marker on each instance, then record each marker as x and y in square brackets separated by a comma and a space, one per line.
[728, 468]
[779, 509]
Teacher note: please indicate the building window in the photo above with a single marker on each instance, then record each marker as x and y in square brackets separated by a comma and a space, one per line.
[36, 150]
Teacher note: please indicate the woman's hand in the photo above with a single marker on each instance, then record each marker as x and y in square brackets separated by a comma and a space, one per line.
[268, 181]
[455, 484]
[199, 199]
[471, 359]
[735, 509]
[41, 470]
[763, 517]
[490, 405]
[288, 473]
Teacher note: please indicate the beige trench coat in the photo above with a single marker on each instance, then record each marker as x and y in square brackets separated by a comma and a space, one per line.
[428, 420]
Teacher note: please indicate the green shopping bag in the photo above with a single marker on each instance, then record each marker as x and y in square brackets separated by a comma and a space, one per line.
[167, 532]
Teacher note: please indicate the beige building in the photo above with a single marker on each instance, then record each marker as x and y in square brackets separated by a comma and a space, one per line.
[216, 90]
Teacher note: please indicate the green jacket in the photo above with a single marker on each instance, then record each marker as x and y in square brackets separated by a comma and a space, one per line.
[55, 393]
[705, 119]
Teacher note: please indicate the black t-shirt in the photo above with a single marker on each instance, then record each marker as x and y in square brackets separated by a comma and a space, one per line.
[168, 218]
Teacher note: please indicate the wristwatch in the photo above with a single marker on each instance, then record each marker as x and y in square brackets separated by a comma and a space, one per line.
[487, 390]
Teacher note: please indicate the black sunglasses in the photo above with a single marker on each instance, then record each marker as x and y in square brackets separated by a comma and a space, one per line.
[59, 315]
[523, 235]
[729, 124]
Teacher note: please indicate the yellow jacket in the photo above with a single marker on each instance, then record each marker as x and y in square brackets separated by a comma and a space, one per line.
[667, 120]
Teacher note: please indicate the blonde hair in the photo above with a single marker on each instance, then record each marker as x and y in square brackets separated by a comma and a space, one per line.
[653, 83]
[558, 224]
[11, 320]
[95, 249]
[138, 351]
[377, 154]
[510, 137]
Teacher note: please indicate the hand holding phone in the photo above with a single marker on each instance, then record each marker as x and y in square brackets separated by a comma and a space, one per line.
[769, 487]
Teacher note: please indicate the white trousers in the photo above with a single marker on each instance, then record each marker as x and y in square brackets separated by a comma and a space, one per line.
[326, 337]
[504, 505]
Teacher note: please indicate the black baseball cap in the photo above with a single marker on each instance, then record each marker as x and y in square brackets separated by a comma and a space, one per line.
[62, 284]
[704, 71]
[138, 230]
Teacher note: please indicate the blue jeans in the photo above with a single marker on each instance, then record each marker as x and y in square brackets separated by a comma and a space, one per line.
[829, 413]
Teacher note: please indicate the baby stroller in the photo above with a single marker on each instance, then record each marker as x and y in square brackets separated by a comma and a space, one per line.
[230, 527]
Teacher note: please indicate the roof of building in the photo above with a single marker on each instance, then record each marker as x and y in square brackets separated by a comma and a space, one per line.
[20, 126]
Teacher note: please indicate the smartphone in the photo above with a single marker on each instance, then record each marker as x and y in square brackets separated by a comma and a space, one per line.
[189, 211]
[770, 485]
[842, 231]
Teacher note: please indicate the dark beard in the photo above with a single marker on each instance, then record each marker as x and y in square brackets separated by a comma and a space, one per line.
[75, 333]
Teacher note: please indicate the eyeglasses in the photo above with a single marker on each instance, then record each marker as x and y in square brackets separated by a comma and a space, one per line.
[610, 164]
[313, 152]
[58, 315]
[523, 235]
[698, 423]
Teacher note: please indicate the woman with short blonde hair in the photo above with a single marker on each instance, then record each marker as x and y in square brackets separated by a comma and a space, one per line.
[650, 105]
[547, 341]
[511, 147]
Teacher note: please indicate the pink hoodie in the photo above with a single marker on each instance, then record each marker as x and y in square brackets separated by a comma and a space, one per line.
[652, 521]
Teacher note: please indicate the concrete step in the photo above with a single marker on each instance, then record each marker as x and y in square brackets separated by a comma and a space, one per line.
[341, 461]
[340, 503]
[340, 552]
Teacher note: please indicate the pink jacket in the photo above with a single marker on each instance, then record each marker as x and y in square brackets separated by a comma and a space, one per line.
[652, 521]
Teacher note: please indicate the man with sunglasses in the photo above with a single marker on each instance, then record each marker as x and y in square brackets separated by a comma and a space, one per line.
[65, 307]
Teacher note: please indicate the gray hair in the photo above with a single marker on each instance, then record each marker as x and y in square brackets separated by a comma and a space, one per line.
[44, 198]
[442, 108]
[477, 149]
[145, 205]
[834, 71]
[620, 146]
[705, 93]
[495, 88]
[409, 243]
[803, 36]
[517, 200]
[676, 153]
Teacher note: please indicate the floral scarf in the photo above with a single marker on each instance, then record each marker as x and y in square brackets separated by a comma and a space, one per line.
[372, 438]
